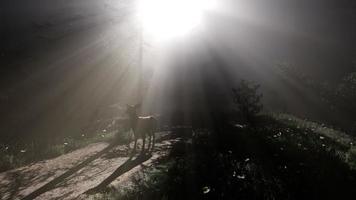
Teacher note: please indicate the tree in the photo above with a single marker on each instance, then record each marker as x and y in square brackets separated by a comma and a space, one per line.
[248, 100]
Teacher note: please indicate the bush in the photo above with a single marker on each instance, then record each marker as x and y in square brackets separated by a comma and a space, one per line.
[351, 157]
[273, 161]
[346, 93]
[338, 98]
[248, 100]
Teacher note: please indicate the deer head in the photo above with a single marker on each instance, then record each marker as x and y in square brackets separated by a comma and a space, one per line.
[132, 110]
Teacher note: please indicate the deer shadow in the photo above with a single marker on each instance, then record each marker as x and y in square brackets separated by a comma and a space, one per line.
[108, 153]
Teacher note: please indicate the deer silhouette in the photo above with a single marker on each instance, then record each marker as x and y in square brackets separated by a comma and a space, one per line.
[142, 127]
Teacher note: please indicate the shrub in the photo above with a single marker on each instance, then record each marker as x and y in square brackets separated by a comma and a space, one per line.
[351, 157]
[248, 100]
[338, 98]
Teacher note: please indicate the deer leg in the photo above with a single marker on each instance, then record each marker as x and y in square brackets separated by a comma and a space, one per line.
[149, 142]
[153, 140]
[129, 138]
[143, 141]
[134, 149]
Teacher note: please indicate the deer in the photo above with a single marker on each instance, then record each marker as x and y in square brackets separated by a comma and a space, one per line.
[141, 127]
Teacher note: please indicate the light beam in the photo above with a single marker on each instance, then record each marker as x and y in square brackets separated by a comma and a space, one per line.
[168, 19]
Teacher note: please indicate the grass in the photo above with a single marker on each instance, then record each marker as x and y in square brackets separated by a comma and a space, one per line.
[280, 157]
[146, 184]
[272, 160]
[346, 143]
[336, 135]
[13, 156]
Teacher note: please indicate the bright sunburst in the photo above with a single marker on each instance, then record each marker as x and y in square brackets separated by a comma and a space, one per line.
[167, 19]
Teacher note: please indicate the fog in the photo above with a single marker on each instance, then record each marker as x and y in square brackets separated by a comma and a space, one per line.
[63, 62]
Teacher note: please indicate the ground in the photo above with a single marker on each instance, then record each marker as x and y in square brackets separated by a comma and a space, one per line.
[273, 159]
[71, 175]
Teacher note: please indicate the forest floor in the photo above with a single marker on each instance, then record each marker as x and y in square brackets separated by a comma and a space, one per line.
[71, 175]
[280, 157]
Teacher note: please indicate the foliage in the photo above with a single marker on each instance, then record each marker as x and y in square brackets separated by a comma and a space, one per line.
[351, 157]
[17, 155]
[271, 161]
[339, 137]
[247, 99]
[337, 98]
[346, 93]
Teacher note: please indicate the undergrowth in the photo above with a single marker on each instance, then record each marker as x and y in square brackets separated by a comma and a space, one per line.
[272, 160]
[13, 155]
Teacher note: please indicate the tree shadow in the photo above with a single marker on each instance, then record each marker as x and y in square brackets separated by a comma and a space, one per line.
[51, 185]
[109, 152]
[14, 181]
[14, 185]
[125, 167]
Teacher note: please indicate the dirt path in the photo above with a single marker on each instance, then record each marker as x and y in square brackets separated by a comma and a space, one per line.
[69, 176]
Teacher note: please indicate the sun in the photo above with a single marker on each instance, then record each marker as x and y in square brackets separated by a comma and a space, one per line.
[167, 19]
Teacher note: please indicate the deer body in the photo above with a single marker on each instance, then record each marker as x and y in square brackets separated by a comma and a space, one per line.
[142, 127]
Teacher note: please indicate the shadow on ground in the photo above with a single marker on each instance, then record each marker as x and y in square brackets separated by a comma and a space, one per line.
[73, 174]
[128, 165]
[50, 185]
